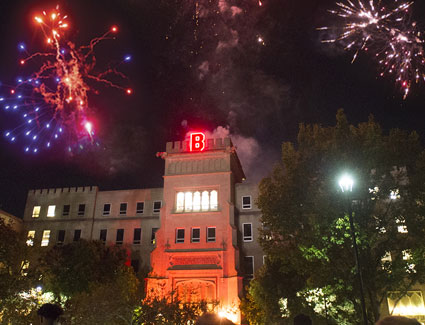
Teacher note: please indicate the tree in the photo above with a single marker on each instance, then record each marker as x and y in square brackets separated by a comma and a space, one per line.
[16, 281]
[306, 235]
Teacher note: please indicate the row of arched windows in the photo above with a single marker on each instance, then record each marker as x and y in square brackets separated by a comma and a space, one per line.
[197, 201]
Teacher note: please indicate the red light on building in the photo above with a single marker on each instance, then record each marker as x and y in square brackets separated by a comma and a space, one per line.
[197, 141]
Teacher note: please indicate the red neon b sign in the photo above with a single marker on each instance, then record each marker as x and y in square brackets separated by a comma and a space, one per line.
[197, 141]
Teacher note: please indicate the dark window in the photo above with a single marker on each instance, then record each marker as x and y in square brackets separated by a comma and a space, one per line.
[156, 206]
[247, 231]
[179, 235]
[65, 211]
[246, 202]
[140, 207]
[210, 234]
[153, 235]
[123, 208]
[107, 209]
[135, 265]
[137, 235]
[120, 236]
[103, 233]
[196, 235]
[61, 237]
[249, 266]
[81, 209]
[77, 234]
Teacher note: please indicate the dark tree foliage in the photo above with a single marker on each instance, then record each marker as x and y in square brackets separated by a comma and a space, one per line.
[306, 235]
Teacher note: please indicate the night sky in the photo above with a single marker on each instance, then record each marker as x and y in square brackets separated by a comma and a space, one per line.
[205, 71]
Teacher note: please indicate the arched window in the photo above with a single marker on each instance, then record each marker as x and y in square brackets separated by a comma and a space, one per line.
[180, 202]
[205, 201]
[196, 201]
[213, 200]
[188, 201]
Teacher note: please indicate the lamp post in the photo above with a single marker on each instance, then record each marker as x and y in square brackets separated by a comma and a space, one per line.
[346, 184]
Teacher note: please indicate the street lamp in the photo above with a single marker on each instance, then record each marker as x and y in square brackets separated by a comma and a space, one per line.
[346, 184]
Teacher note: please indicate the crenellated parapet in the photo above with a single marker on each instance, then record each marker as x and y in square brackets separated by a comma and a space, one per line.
[210, 144]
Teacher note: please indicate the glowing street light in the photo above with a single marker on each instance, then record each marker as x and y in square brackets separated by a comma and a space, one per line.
[346, 184]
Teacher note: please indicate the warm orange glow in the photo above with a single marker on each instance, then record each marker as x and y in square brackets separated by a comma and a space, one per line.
[38, 20]
[230, 313]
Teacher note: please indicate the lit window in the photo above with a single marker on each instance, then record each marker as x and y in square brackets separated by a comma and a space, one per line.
[30, 238]
[153, 235]
[386, 257]
[196, 235]
[24, 268]
[214, 200]
[36, 211]
[205, 203]
[61, 237]
[246, 202]
[197, 201]
[81, 209]
[211, 234]
[188, 201]
[123, 208]
[156, 206]
[401, 227]
[46, 237]
[107, 209]
[411, 304]
[103, 233]
[179, 235]
[65, 211]
[137, 235]
[51, 210]
[407, 256]
[249, 266]
[77, 234]
[247, 231]
[120, 236]
[394, 195]
[140, 206]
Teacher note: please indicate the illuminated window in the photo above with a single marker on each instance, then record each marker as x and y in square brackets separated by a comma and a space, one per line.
[61, 237]
[153, 235]
[156, 206]
[249, 266]
[45, 238]
[51, 211]
[401, 226]
[140, 206]
[179, 235]
[65, 211]
[247, 231]
[36, 211]
[103, 233]
[211, 234]
[411, 304]
[196, 235]
[196, 201]
[81, 209]
[107, 209]
[77, 234]
[123, 208]
[30, 238]
[407, 256]
[137, 235]
[24, 268]
[120, 236]
[246, 202]
[394, 195]
[386, 257]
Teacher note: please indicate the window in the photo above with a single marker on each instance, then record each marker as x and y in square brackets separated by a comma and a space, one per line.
[36, 211]
[51, 211]
[196, 235]
[46, 237]
[140, 206]
[61, 237]
[153, 235]
[81, 209]
[137, 235]
[135, 265]
[411, 304]
[246, 202]
[106, 209]
[247, 231]
[65, 211]
[123, 208]
[386, 257]
[120, 236]
[249, 266]
[103, 233]
[30, 238]
[77, 234]
[156, 206]
[401, 226]
[24, 268]
[264, 259]
[179, 235]
[196, 201]
[211, 234]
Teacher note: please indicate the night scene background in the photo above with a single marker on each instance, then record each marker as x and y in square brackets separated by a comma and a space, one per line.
[223, 66]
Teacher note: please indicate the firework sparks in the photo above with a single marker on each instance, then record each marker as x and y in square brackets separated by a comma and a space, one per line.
[53, 100]
[387, 33]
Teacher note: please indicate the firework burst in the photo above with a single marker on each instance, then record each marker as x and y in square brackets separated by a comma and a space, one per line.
[53, 100]
[387, 33]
